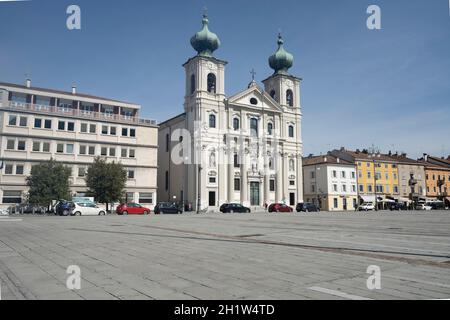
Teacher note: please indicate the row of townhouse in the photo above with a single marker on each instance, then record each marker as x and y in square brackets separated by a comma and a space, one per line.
[38, 124]
[343, 179]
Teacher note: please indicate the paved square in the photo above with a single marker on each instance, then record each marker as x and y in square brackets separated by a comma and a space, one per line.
[253, 256]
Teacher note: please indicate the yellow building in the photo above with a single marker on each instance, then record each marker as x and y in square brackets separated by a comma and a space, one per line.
[378, 176]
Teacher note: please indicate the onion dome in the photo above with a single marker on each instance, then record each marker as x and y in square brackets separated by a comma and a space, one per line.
[281, 60]
[205, 42]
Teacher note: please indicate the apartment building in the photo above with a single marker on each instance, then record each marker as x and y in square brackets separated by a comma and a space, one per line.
[437, 171]
[330, 183]
[377, 174]
[38, 124]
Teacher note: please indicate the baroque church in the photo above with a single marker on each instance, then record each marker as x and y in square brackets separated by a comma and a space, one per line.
[245, 148]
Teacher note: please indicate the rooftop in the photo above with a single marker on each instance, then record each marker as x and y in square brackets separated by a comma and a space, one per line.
[325, 159]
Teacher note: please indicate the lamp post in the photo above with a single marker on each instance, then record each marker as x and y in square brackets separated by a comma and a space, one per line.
[375, 178]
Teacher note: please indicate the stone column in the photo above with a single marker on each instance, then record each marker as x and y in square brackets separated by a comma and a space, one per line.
[279, 164]
[244, 178]
[300, 179]
[285, 178]
[230, 167]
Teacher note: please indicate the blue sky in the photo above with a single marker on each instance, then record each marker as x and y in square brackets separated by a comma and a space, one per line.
[388, 88]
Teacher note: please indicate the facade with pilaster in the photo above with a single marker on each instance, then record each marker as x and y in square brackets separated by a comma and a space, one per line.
[245, 148]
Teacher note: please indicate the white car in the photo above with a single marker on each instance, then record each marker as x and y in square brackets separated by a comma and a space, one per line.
[424, 207]
[366, 207]
[87, 209]
[4, 212]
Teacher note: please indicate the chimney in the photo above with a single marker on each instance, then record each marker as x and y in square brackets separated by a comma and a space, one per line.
[28, 83]
[425, 157]
[325, 159]
[74, 90]
[338, 160]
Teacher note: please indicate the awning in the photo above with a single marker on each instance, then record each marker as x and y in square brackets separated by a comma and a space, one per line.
[404, 200]
[388, 200]
[368, 198]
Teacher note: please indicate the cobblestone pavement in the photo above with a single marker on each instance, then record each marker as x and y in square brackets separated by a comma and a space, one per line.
[251, 256]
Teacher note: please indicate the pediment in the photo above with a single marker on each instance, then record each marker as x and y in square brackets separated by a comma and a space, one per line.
[264, 100]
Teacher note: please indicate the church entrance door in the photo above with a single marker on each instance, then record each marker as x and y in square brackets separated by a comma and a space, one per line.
[255, 194]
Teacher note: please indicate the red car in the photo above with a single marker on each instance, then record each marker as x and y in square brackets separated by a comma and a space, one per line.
[279, 207]
[131, 208]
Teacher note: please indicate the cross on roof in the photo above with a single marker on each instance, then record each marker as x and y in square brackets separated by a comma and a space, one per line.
[253, 73]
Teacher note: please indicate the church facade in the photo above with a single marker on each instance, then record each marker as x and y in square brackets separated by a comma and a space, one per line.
[245, 148]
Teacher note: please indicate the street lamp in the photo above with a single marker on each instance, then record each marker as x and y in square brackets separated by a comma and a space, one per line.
[375, 178]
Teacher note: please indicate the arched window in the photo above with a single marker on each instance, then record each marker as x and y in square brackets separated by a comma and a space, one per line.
[291, 165]
[270, 129]
[236, 124]
[273, 94]
[193, 84]
[212, 121]
[211, 83]
[291, 132]
[254, 127]
[290, 98]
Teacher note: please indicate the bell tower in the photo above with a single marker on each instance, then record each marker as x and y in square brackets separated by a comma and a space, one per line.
[283, 87]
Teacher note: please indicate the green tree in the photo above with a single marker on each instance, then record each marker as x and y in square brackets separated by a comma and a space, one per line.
[106, 181]
[48, 181]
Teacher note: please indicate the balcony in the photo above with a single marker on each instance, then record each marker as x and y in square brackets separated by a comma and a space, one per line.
[85, 115]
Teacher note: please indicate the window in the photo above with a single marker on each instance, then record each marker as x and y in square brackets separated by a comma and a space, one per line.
[12, 120]
[343, 175]
[132, 153]
[146, 198]
[81, 172]
[124, 132]
[104, 151]
[69, 148]
[193, 85]
[370, 188]
[254, 101]
[167, 180]
[46, 147]
[71, 126]
[92, 150]
[254, 127]
[83, 150]
[61, 125]
[12, 197]
[237, 184]
[369, 175]
[211, 83]
[84, 128]
[273, 94]
[133, 133]
[336, 203]
[353, 175]
[60, 148]
[21, 146]
[270, 129]
[334, 174]
[236, 124]
[335, 187]
[272, 185]
[11, 144]
[291, 132]
[8, 169]
[19, 170]
[48, 124]
[130, 174]
[113, 131]
[105, 130]
[212, 180]
[236, 161]
[290, 98]
[212, 121]
[292, 183]
[344, 188]
[36, 146]
[23, 121]
[112, 152]
[38, 123]
[93, 128]
[124, 153]
[395, 189]
[361, 188]
[313, 175]
[353, 188]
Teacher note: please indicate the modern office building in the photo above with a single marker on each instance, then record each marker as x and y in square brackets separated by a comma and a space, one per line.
[248, 145]
[39, 124]
[330, 183]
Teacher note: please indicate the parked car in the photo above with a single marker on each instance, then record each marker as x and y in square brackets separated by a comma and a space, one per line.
[279, 207]
[63, 208]
[167, 208]
[132, 208]
[424, 207]
[368, 206]
[87, 209]
[398, 207]
[234, 208]
[437, 206]
[307, 207]
[4, 212]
